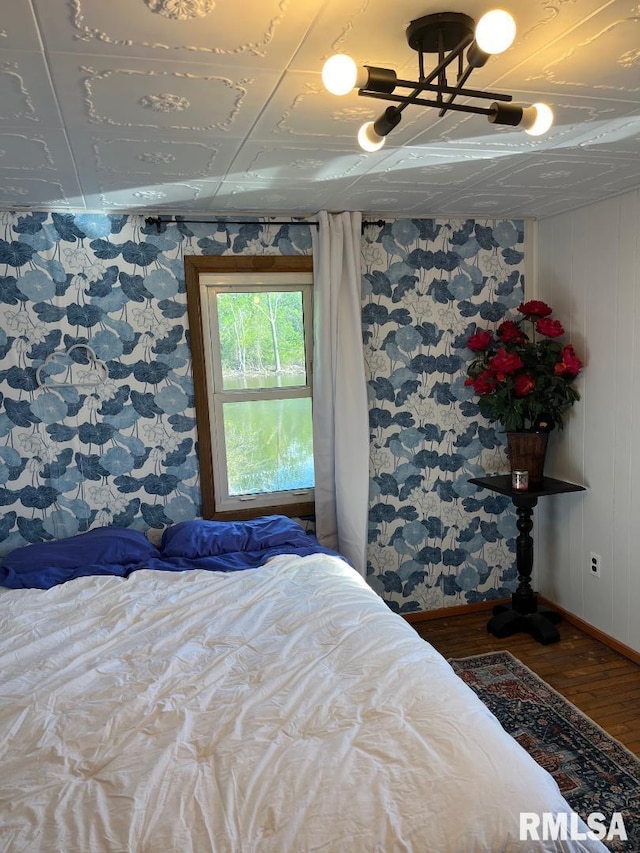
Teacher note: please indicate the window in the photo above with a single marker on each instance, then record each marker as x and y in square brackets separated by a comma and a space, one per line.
[250, 322]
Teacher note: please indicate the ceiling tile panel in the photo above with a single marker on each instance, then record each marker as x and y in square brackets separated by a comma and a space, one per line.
[140, 94]
[486, 202]
[19, 192]
[158, 156]
[122, 195]
[598, 58]
[260, 161]
[18, 28]
[546, 173]
[617, 137]
[204, 31]
[388, 200]
[216, 105]
[266, 196]
[32, 152]
[26, 96]
[450, 170]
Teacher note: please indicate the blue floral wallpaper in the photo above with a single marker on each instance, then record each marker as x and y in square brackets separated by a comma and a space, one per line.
[97, 422]
[434, 540]
[75, 455]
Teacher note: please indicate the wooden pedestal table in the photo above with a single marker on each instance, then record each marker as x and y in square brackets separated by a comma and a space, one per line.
[524, 613]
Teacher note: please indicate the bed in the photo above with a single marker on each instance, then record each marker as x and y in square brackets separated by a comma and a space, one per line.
[238, 688]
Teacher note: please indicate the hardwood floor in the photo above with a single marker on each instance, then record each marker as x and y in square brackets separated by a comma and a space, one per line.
[600, 682]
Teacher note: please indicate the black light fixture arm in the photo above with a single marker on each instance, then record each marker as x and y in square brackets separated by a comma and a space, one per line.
[442, 32]
[445, 61]
[449, 35]
[437, 103]
[462, 79]
[431, 87]
[425, 83]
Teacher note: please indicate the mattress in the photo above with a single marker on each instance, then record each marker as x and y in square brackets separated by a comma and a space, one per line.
[282, 708]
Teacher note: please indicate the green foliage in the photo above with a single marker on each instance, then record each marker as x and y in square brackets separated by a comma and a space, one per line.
[268, 442]
[261, 332]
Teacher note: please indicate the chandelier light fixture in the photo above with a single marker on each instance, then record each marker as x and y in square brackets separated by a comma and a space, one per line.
[449, 35]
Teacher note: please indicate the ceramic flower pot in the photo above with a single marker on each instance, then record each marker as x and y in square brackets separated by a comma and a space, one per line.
[527, 451]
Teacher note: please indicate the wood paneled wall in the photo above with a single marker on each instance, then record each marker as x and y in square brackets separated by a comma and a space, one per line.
[589, 272]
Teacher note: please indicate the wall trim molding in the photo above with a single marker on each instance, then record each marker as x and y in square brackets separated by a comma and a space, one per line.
[480, 606]
[462, 610]
[596, 633]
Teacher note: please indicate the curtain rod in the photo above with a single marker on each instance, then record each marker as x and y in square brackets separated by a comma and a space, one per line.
[159, 220]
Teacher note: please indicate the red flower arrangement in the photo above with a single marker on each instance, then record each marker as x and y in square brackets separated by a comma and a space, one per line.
[524, 379]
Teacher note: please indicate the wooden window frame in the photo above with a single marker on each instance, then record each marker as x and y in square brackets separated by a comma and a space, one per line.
[195, 266]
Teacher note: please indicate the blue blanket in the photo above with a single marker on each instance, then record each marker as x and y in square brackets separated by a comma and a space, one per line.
[196, 544]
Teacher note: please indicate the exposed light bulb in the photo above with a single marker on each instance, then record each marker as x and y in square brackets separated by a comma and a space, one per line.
[340, 74]
[495, 31]
[369, 139]
[537, 119]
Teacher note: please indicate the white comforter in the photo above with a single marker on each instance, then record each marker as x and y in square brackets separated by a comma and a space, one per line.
[280, 709]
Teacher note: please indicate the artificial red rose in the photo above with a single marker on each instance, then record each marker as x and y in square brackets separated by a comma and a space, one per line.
[569, 364]
[535, 308]
[510, 333]
[550, 328]
[480, 341]
[505, 362]
[524, 385]
[520, 367]
[483, 383]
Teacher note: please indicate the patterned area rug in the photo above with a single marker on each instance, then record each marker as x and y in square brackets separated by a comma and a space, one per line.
[594, 772]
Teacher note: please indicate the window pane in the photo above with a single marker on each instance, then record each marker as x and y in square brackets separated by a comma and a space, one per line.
[261, 339]
[269, 445]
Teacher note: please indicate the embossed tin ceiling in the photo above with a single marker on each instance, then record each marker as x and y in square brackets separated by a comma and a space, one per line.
[216, 106]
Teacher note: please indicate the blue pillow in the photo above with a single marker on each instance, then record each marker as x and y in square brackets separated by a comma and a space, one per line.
[101, 551]
[204, 538]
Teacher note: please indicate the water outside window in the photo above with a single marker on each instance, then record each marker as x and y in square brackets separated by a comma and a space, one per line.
[269, 443]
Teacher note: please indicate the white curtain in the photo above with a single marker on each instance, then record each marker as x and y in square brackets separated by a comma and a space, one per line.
[340, 414]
